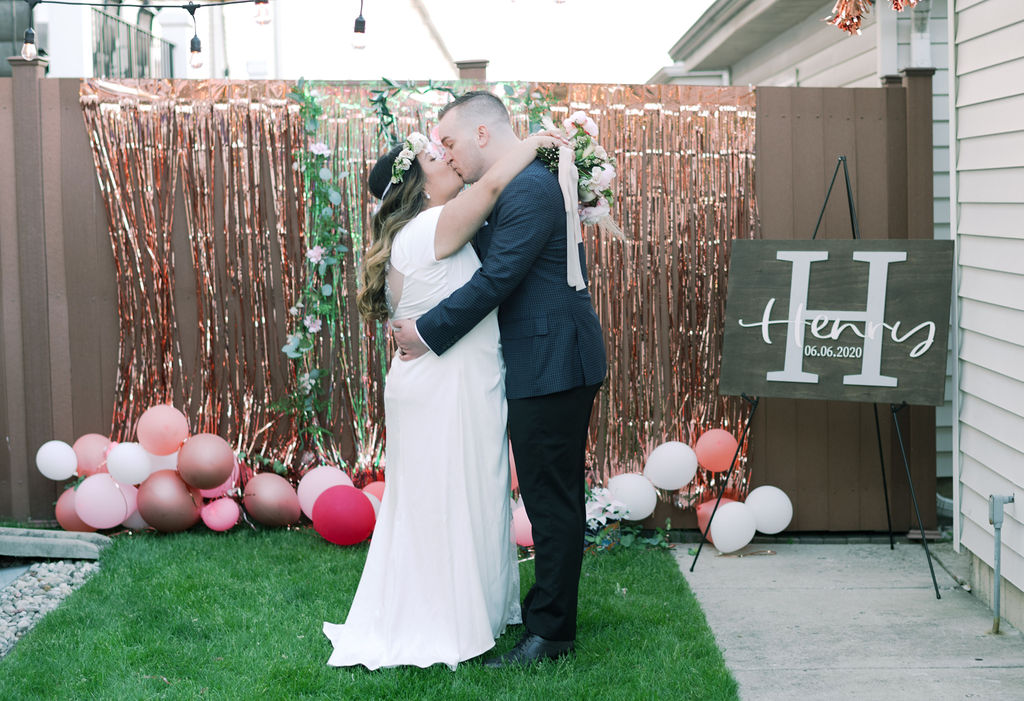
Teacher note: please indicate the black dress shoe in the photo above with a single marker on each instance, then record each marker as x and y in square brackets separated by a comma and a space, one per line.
[531, 648]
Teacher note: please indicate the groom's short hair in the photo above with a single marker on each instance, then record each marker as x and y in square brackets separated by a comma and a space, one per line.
[484, 106]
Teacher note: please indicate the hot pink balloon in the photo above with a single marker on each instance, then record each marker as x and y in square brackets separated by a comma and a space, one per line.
[91, 450]
[99, 502]
[221, 490]
[343, 515]
[715, 450]
[221, 514]
[162, 429]
[522, 528]
[314, 482]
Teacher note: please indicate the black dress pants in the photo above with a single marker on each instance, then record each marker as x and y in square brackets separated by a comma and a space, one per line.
[549, 440]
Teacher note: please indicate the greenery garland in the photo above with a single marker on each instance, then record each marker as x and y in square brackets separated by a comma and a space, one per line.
[315, 314]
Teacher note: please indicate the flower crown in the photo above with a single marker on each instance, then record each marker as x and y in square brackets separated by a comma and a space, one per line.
[413, 144]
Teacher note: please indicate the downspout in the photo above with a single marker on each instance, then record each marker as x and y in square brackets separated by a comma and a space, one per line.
[995, 517]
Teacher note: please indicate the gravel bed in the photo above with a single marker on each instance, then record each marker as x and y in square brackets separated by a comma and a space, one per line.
[35, 593]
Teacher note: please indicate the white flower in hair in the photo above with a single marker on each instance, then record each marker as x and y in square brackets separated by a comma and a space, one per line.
[413, 144]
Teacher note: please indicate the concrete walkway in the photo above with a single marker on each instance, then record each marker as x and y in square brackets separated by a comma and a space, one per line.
[853, 621]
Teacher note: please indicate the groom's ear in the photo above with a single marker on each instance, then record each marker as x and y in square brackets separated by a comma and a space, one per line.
[483, 135]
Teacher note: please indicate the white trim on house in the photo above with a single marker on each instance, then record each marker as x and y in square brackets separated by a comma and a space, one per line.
[986, 59]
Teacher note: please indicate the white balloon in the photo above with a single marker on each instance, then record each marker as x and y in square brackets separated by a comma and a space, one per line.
[162, 462]
[732, 527]
[128, 463]
[771, 507]
[56, 460]
[671, 465]
[135, 521]
[375, 502]
[636, 492]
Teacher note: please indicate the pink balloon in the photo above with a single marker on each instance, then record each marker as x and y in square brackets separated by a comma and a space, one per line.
[131, 497]
[314, 482]
[522, 528]
[512, 467]
[99, 502]
[704, 510]
[91, 450]
[223, 489]
[221, 515]
[343, 515]
[376, 489]
[66, 516]
[162, 429]
[715, 450]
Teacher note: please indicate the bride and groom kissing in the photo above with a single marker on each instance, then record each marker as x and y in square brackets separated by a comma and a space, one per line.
[497, 341]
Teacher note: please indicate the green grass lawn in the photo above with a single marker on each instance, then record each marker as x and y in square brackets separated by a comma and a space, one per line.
[238, 616]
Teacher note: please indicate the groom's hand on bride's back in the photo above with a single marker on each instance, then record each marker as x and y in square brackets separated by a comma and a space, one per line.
[410, 345]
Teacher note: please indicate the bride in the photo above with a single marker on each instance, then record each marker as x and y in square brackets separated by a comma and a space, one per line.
[441, 577]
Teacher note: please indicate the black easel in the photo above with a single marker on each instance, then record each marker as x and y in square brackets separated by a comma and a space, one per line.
[739, 446]
[841, 161]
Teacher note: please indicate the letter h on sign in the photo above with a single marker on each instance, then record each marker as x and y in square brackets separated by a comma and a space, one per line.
[872, 317]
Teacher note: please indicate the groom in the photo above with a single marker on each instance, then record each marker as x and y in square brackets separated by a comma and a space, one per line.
[554, 356]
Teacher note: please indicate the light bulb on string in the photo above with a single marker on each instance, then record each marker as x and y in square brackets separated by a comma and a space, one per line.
[196, 61]
[262, 11]
[359, 30]
[29, 52]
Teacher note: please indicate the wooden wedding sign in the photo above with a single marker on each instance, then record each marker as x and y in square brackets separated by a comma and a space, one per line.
[856, 320]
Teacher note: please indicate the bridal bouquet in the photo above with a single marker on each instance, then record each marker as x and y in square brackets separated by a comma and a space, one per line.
[596, 169]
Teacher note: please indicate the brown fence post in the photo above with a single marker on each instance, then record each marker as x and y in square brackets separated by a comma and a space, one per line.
[26, 328]
[917, 84]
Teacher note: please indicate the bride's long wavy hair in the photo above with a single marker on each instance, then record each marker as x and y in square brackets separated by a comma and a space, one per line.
[400, 205]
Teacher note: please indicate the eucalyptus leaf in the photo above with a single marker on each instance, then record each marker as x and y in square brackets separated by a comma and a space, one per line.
[334, 196]
[326, 290]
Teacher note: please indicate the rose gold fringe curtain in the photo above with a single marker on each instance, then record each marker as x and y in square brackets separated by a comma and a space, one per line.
[200, 305]
[685, 187]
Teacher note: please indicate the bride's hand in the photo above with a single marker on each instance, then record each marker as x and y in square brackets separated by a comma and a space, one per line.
[545, 139]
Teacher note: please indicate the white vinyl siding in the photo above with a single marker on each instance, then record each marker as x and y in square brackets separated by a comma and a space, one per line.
[989, 161]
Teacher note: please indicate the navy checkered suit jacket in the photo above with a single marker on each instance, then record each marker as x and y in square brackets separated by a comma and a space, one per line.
[550, 335]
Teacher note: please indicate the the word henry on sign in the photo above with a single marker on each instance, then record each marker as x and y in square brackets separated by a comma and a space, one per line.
[852, 320]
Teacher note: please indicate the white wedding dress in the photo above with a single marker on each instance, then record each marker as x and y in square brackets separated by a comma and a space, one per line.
[441, 578]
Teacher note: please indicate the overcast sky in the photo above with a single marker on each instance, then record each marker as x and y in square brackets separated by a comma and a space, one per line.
[596, 41]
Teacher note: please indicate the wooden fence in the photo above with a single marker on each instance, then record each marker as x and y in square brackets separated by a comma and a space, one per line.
[59, 327]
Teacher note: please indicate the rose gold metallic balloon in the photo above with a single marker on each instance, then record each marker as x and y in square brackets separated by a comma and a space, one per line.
[271, 500]
[205, 461]
[167, 503]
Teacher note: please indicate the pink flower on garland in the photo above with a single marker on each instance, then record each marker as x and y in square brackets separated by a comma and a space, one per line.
[312, 323]
[320, 149]
[315, 254]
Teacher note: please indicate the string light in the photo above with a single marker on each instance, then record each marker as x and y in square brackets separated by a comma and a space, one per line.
[196, 46]
[196, 58]
[28, 49]
[359, 31]
[262, 11]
